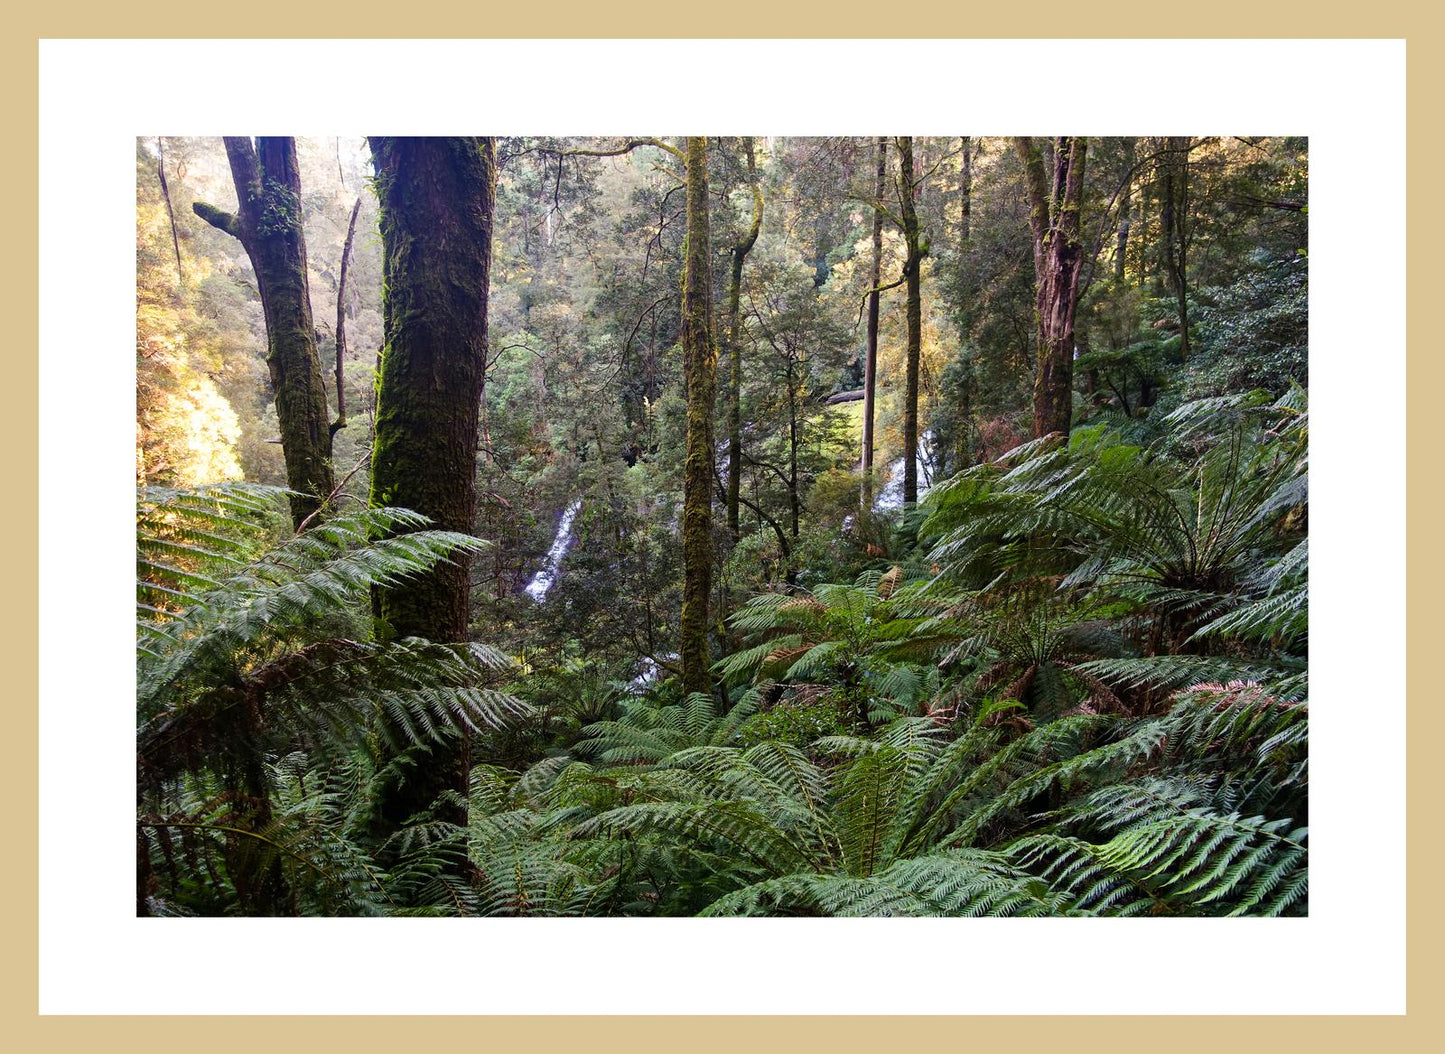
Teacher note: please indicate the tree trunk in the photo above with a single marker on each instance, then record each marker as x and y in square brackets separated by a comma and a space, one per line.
[964, 443]
[699, 359]
[268, 224]
[1121, 242]
[1142, 234]
[170, 212]
[1058, 257]
[965, 191]
[436, 199]
[735, 346]
[870, 366]
[795, 503]
[340, 421]
[912, 272]
[1174, 227]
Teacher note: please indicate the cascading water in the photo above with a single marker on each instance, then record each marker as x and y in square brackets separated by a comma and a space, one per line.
[651, 671]
[543, 579]
[891, 496]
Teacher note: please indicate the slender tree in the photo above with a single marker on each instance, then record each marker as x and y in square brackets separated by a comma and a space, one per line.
[739, 253]
[1174, 226]
[963, 447]
[436, 198]
[1054, 207]
[700, 376]
[788, 369]
[267, 222]
[1141, 228]
[965, 191]
[913, 274]
[170, 212]
[340, 421]
[1121, 241]
[870, 355]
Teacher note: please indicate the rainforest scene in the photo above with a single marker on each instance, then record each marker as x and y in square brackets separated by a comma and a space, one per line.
[722, 526]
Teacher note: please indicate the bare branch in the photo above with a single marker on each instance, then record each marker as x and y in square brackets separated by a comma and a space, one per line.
[877, 289]
[626, 148]
[332, 496]
[875, 204]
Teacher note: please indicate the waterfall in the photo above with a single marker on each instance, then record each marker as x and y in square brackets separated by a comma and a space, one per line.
[651, 671]
[543, 579]
[891, 496]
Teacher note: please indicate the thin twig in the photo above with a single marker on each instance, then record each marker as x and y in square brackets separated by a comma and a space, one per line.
[332, 496]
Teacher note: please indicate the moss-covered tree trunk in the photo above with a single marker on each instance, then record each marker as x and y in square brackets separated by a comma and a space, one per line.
[870, 352]
[1121, 241]
[913, 273]
[965, 192]
[735, 344]
[699, 364]
[268, 224]
[1174, 227]
[1058, 257]
[1141, 231]
[436, 205]
[963, 442]
[797, 372]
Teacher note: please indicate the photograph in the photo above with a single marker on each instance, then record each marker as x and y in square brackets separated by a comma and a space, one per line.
[722, 526]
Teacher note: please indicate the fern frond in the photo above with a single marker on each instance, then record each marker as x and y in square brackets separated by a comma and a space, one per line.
[959, 882]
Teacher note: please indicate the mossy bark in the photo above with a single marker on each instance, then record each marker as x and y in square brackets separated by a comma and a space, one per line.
[1174, 227]
[912, 272]
[699, 356]
[268, 223]
[1121, 240]
[965, 192]
[1054, 216]
[436, 200]
[964, 438]
[870, 353]
[735, 346]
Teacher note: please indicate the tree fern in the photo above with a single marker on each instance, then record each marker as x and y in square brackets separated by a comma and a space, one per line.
[253, 646]
[1191, 541]
[958, 882]
[1197, 811]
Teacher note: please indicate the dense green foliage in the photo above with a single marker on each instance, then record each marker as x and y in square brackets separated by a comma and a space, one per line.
[1070, 681]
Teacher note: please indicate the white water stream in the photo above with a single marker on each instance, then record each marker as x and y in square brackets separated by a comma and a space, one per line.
[891, 496]
[543, 579]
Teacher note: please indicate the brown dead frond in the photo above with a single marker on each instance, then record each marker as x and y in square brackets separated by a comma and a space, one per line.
[889, 582]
